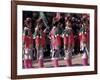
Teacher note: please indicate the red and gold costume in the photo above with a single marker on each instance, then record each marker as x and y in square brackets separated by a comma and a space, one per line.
[40, 42]
[83, 36]
[68, 39]
[28, 45]
[58, 37]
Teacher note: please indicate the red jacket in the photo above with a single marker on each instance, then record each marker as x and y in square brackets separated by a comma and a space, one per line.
[28, 41]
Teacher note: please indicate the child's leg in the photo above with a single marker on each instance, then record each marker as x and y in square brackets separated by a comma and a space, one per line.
[55, 62]
[30, 63]
[30, 59]
[53, 53]
[25, 61]
[55, 59]
[41, 65]
[37, 50]
[85, 57]
[81, 46]
[68, 58]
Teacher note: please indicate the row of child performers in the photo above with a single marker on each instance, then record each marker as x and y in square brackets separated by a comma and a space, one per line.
[39, 39]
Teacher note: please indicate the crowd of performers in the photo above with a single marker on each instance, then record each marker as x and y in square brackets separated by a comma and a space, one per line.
[59, 37]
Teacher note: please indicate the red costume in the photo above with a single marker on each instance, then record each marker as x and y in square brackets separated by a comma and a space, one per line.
[28, 42]
[68, 38]
[58, 41]
[68, 45]
[43, 39]
[37, 41]
[58, 38]
[39, 37]
[54, 42]
[52, 36]
[83, 38]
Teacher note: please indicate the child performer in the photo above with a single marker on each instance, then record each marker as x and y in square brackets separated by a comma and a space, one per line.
[68, 39]
[58, 39]
[38, 36]
[43, 38]
[55, 42]
[28, 44]
[83, 44]
[43, 46]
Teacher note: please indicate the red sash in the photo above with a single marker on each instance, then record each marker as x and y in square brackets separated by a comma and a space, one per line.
[58, 40]
[43, 39]
[65, 40]
[70, 40]
[37, 41]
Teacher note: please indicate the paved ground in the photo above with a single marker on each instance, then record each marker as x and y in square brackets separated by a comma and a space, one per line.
[76, 61]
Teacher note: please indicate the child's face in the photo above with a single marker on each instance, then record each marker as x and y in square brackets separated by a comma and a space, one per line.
[30, 25]
[61, 25]
[68, 23]
[28, 22]
[40, 25]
